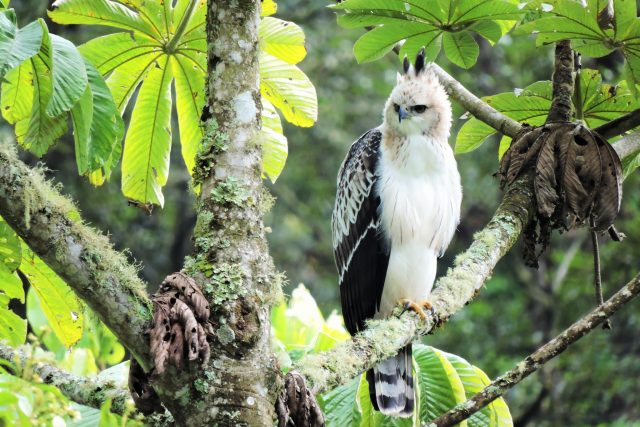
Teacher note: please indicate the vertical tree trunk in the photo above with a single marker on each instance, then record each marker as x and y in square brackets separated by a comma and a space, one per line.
[231, 261]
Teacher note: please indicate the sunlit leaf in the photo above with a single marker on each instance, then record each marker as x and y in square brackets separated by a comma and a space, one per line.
[17, 93]
[12, 327]
[282, 39]
[69, 76]
[289, 89]
[189, 103]
[59, 304]
[10, 250]
[269, 7]
[274, 143]
[145, 162]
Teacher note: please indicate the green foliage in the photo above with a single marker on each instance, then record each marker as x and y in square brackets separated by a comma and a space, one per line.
[167, 43]
[444, 380]
[601, 103]
[441, 23]
[299, 327]
[578, 21]
[44, 77]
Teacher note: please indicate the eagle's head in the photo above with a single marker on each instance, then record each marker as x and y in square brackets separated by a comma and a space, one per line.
[418, 104]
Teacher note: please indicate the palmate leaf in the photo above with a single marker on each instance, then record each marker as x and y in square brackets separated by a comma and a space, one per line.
[171, 37]
[569, 19]
[69, 76]
[10, 250]
[418, 24]
[59, 304]
[17, 45]
[17, 93]
[340, 405]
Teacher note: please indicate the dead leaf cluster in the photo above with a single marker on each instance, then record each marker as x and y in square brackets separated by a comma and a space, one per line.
[180, 323]
[577, 181]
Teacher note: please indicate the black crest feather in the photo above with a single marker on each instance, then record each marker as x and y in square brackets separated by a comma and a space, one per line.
[419, 61]
[406, 64]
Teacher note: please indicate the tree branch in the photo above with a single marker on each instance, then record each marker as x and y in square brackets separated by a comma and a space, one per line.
[101, 276]
[383, 338]
[475, 105]
[535, 360]
[83, 390]
[620, 125]
[560, 110]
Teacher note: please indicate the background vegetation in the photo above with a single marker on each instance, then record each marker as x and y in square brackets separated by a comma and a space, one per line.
[593, 383]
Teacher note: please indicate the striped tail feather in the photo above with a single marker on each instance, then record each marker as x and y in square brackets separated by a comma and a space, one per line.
[391, 385]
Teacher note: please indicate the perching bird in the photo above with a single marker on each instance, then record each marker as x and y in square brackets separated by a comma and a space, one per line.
[397, 208]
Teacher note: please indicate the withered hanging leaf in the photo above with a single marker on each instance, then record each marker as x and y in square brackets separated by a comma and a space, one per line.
[160, 333]
[609, 195]
[588, 165]
[176, 346]
[574, 193]
[189, 327]
[545, 179]
[522, 151]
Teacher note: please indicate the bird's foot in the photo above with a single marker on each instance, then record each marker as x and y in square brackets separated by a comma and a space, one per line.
[418, 308]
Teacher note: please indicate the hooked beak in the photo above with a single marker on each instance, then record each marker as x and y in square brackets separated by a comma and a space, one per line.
[402, 114]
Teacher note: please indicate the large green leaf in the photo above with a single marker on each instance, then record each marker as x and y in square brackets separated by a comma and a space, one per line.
[69, 76]
[17, 45]
[440, 386]
[123, 48]
[40, 131]
[145, 163]
[10, 250]
[100, 12]
[289, 89]
[96, 125]
[189, 103]
[59, 304]
[282, 39]
[379, 41]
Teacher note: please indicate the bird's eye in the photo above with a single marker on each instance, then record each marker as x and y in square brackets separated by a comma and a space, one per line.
[396, 107]
[419, 108]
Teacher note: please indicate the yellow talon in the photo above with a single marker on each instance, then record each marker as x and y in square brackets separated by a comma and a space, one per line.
[417, 308]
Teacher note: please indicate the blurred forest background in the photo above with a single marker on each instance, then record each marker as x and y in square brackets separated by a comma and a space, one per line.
[596, 382]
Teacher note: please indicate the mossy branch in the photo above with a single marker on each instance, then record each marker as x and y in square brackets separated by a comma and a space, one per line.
[383, 338]
[538, 358]
[49, 224]
[86, 391]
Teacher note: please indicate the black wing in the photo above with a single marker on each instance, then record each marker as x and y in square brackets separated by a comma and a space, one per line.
[361, 254]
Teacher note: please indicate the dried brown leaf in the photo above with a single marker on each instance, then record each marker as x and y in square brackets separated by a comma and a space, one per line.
[609, 196]
[189, 292]
[545, 183]
[187, 321]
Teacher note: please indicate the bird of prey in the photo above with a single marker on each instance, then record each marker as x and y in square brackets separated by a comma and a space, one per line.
[397, 208]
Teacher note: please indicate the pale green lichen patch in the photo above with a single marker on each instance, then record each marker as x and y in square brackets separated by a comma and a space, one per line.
[225, 282]
[231, 191]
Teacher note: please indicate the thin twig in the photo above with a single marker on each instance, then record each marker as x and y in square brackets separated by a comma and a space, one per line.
[597, 273]
[537, 359]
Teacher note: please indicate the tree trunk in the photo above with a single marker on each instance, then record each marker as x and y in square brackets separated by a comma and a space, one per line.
[231, 261]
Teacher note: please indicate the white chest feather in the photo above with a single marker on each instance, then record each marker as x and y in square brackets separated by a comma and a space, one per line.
[420, 193]
[420, 196]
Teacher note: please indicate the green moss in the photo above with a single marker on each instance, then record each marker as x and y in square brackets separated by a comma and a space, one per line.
[183, 395]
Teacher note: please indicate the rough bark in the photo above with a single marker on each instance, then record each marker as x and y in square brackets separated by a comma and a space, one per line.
[537, 359]
[87, 391]
[84, 258]
[231, 262]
